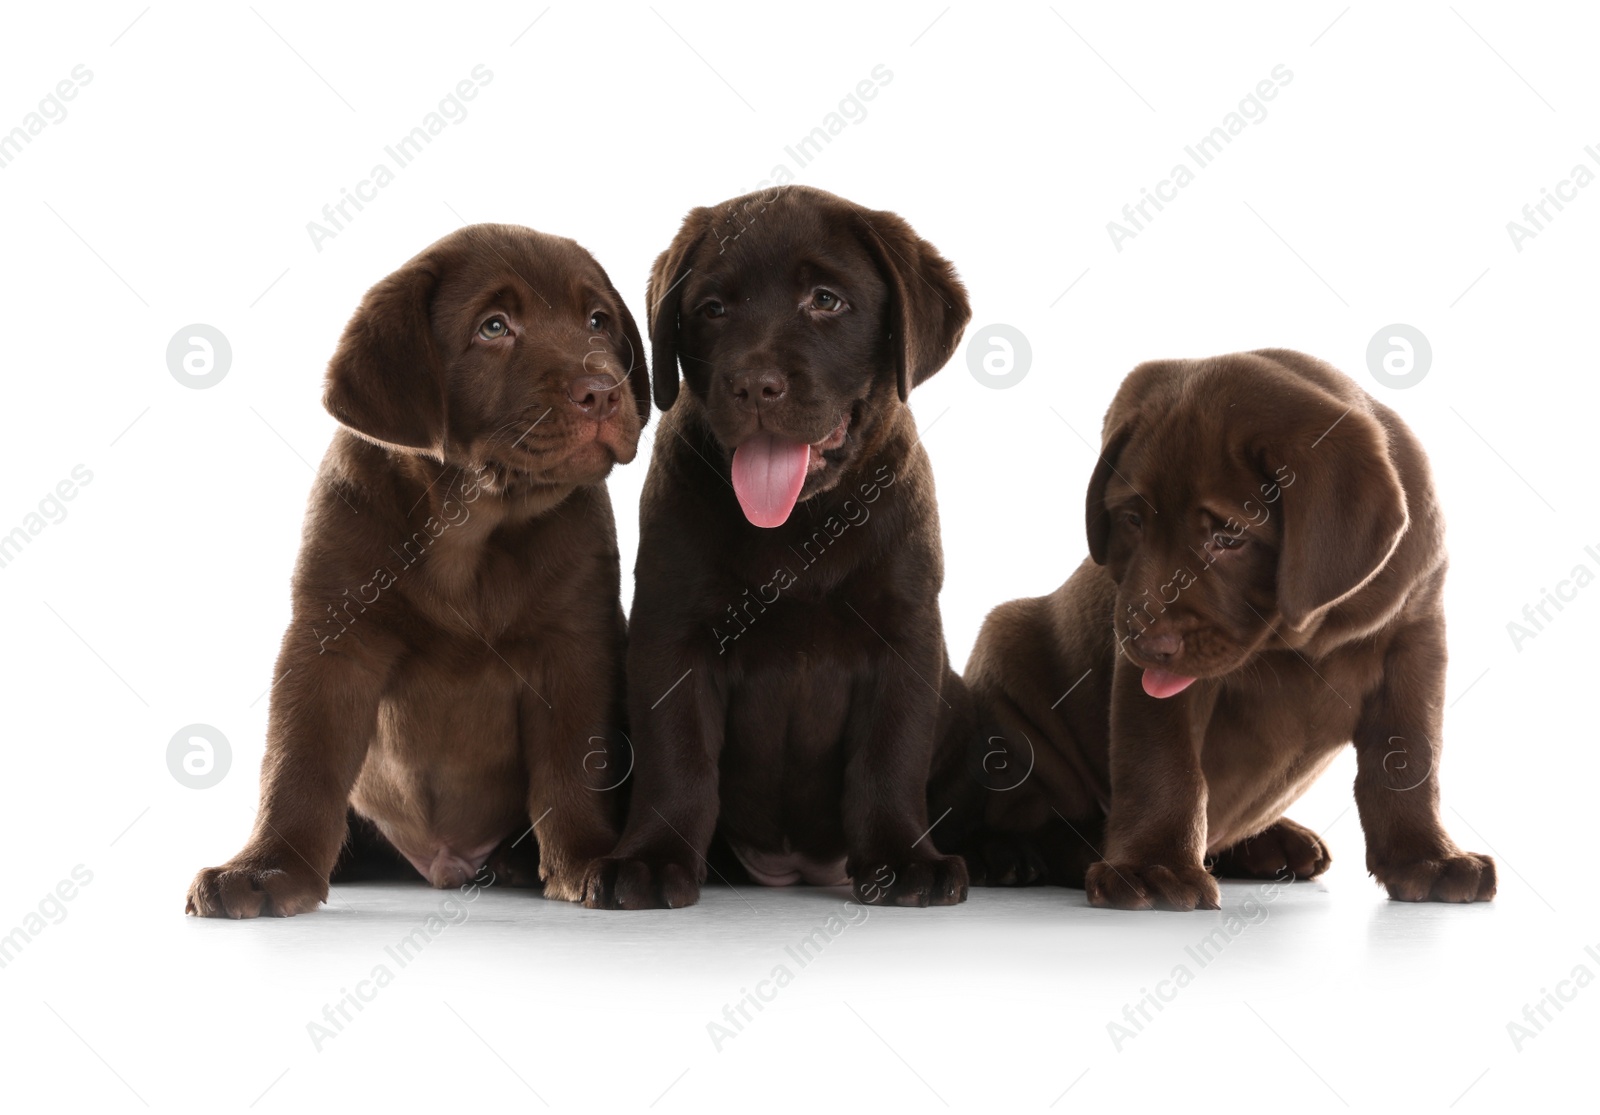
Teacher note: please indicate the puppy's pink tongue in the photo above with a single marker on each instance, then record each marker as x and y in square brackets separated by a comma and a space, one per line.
[768, 474]
[1159, 683]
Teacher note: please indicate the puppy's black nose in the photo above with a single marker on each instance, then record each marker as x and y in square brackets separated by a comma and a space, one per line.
[1161, 647]
[759, 387]
[597, 396]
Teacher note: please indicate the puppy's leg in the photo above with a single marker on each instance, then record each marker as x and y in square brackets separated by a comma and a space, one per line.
[677, 717]
[889, 744]
[1156, 833]
[322, 717]
[979, 776]
[1055, 851]
[1282, 849]
[1397, 779]
[576, 758]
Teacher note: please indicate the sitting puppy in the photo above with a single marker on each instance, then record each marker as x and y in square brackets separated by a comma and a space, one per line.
[786, 665]
[1265, 581]
[454, 662]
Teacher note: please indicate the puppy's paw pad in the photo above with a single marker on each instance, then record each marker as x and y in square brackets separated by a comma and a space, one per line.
[252, 890]
[1454, 877]
[625, 883]
[1132, 886]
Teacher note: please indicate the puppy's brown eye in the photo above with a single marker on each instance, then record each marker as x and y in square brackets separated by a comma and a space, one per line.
[598, 320]
[494, 329]
[713, 308]
[1227, 541]
[826, 301]
[1132, 520]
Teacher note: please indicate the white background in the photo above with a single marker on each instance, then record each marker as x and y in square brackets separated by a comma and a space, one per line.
[1376, 190]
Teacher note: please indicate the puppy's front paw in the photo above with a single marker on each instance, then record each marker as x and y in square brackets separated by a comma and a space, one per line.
[1151, 886]
[1002, 859]
[255, 886]
[1283, 847]
[933, 881]
[1450, 877]
[563, 874]
[627, 883]
[562, 886]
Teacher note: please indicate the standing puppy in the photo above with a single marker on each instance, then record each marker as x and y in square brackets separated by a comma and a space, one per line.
[786, 664]
[454, 662]
[1264, 586]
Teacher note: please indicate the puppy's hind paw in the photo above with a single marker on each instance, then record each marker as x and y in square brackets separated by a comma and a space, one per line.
[1282, 848]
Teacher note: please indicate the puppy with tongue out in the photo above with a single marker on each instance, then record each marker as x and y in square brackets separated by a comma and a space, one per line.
[789, 684]
[769, 471]
[1264, 588]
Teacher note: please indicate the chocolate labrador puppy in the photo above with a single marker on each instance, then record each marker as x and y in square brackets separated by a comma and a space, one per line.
[786, 665]
[1264, 586]
[454, 661]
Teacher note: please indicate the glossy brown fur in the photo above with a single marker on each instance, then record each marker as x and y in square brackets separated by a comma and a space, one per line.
[1258, 522]
[801, 719]
[453, 667]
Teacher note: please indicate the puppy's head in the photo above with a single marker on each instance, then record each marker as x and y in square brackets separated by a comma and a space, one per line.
[801, 321]
[1236, 497]
[497, 348]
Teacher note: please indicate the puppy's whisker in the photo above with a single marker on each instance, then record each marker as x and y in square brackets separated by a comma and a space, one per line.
[1302, 658]
[504, 427]
[1261, 661]
[517, 421]
[530, 429]
[426, 490]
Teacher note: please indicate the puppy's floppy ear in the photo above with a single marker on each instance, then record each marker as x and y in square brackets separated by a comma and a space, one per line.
[1344, 510]
[386, 380]
[637, 370]
[663, 301]
[928, 305]
[1096, 517]
[1151, 384]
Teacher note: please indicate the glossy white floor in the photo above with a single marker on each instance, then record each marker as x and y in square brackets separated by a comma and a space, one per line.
[1018, 1000]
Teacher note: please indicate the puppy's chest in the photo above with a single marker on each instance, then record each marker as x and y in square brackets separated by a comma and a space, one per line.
[1283, 707]
[804, 565]
[494, 582]
[794, 619]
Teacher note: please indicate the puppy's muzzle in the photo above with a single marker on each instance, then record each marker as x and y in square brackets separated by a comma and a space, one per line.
[598, 396]
[757, 388]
